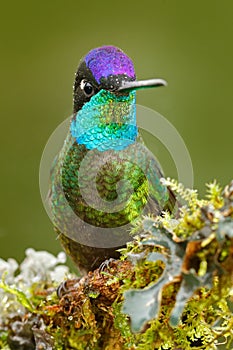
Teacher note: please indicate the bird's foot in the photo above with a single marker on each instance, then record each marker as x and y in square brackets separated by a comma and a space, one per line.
[106, 264]
[68, 286]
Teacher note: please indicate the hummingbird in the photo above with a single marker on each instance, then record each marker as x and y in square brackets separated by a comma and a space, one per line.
[104, 178]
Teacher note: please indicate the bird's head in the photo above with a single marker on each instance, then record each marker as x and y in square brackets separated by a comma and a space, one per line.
[104, 99]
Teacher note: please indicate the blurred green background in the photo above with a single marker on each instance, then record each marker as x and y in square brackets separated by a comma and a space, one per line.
[189, 43]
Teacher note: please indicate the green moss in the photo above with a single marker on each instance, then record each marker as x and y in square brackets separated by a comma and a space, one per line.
[3, 340]
[198, 254]
[21, 296]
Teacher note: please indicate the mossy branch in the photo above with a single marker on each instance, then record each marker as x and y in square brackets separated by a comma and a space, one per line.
[171, 289]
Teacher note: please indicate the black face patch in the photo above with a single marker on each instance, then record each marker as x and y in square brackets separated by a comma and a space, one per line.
[79, 96]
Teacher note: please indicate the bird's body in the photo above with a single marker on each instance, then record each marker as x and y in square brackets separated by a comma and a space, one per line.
[104, 178]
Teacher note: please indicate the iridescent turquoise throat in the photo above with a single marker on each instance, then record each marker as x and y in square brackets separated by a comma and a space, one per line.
[107, 121]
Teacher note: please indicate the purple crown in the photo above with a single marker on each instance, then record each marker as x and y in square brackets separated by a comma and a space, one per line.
[109, 60]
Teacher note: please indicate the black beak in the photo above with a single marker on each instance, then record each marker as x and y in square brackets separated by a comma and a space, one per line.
[141, 84]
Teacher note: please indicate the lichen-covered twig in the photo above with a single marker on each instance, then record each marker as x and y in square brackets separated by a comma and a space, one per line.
[172, 288]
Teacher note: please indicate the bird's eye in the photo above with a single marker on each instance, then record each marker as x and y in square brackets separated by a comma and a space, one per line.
[87, 88]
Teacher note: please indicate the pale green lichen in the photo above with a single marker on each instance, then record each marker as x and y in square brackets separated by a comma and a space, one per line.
[22, 289]
[197, 249]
